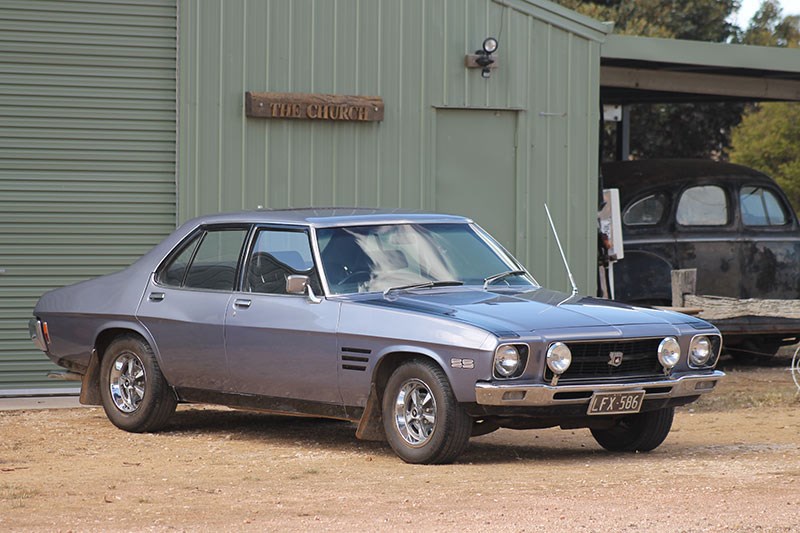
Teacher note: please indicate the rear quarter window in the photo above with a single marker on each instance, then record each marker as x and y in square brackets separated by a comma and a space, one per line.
[761, 207]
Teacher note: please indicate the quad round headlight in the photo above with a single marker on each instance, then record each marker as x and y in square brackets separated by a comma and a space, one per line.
[558, 358]
[669, 351]
[506, 361]
[700, 350]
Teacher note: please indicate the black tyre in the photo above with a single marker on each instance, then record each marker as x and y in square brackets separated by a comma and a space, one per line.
[423, 422]
[135, 395]
[641, 432]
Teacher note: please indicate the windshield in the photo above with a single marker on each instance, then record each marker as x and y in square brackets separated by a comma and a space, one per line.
[377, 258]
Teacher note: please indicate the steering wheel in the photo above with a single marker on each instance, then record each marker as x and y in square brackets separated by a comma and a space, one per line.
[358, 275]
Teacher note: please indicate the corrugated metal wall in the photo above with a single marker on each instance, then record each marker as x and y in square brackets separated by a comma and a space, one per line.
[411, 53]
[87, 153]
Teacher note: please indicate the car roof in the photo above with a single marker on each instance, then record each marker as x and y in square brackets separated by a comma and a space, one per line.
[329, 217]
[634, 176]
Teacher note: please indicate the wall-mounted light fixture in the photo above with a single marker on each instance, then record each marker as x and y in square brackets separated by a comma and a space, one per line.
[483, 58]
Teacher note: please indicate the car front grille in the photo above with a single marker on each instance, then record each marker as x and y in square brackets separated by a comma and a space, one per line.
[592, 360]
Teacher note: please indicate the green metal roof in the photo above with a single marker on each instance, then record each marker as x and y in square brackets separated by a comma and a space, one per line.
[561, 17]
[640, 69]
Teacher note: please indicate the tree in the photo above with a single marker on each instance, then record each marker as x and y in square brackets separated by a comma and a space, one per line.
[673, 130]
[769, 28]
[768, 138]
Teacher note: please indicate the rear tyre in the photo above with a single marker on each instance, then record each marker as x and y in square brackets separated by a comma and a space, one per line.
[423, 422]
[134, 393]
[641, 432]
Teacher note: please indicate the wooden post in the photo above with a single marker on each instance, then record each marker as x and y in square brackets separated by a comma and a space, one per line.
[683, 282]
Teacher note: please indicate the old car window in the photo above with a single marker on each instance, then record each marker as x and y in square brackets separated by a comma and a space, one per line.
[375, 258]
[760, 207]
[276, 254]
[704, 205]
[214, 264]
[175, 270]
[646, 211]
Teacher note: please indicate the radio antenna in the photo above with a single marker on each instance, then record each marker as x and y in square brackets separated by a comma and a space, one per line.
[561, 249]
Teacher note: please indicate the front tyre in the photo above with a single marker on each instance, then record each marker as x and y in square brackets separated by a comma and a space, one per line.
[641, 432]
[135, 395]
[423, 422]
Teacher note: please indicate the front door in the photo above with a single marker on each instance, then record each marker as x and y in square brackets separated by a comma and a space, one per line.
[282, 345]
[706, 239]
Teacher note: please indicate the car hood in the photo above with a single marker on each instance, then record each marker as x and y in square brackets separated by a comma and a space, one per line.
[503, 312]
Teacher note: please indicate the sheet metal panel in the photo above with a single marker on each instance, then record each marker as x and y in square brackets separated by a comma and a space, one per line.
[411, 54]
[87, 154]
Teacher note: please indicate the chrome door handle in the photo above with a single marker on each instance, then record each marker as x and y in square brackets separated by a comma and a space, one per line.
[2, 270]
[156, 296]
[242, 302]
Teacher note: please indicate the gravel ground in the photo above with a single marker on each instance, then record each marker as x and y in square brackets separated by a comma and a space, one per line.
[731, 463]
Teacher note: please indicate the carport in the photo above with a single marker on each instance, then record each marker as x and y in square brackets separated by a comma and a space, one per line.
[638, 70]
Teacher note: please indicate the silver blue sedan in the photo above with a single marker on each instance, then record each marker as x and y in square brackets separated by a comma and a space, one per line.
[420, 328]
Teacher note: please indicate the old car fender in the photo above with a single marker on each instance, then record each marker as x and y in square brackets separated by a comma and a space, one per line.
[104, 335]
[643, 277]
[133, 326]
[370, 426]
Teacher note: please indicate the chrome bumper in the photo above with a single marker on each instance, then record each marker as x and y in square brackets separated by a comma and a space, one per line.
[541, 395]
[37, 336]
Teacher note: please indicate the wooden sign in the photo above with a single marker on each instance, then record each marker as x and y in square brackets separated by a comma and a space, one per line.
[328, 107]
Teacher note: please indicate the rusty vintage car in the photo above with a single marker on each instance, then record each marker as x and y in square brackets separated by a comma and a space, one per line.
[733, 224]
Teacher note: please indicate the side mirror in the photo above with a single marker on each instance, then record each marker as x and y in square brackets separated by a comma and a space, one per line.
[299, 284]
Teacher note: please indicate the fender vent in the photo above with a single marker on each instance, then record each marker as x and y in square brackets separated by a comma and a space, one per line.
[355, 362]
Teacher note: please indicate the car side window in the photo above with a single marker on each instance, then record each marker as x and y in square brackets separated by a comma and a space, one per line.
[214, 263]
[761, 207]
[173, 272]
[277, 254]
[704, 205]
[646, 211]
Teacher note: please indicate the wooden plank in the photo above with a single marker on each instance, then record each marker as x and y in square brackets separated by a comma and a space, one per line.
[683, 282]
[684, 310]
[327, 107]
[719, 307]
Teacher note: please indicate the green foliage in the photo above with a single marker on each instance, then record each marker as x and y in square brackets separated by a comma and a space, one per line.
[701, 20]
[768, 139]
[769, 28]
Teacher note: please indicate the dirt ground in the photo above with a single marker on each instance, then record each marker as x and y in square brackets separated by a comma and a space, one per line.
[731, 463]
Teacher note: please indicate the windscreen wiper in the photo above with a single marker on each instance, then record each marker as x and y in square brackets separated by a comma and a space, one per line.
[425, 285]
[502, 275]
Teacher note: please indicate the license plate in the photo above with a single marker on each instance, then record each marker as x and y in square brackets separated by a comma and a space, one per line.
[614, 403]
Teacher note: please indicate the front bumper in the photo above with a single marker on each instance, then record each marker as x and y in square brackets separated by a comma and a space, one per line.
[542, 395]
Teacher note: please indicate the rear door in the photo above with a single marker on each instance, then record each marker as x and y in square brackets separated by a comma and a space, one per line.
[184, 308]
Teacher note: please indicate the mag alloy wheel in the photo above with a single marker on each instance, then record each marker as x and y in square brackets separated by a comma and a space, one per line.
[422, 420]
[127, 382]
[415, 412]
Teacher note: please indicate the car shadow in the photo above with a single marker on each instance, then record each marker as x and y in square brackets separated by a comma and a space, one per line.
[335, 435]
[339, 436]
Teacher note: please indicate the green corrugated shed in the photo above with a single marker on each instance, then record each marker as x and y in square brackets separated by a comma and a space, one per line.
[495, 150]
[88, 122]
[87, 153]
